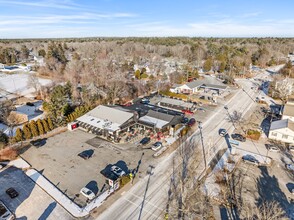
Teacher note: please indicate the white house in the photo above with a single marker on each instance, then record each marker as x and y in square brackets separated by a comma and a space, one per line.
[282, 130]
[288, 111]
[39, 60]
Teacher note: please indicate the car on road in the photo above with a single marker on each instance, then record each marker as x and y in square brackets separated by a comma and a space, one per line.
[12, 192]
[238, 137]
[223, 132]
[156, 146]
[201, 109]
[117, 171]
[191, 122]
[145, 101]
[86, 154]
[289, 167]
[187, 112]
[272, 148]
[250, 159]
[145, 141]
[5, 213]
[87, 193]
[185, 120]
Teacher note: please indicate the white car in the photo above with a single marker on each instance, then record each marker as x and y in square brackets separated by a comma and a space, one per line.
[117, 171]
[156, 146]
[87, 193]
[290, 167]
[5, 213]
[273, 148]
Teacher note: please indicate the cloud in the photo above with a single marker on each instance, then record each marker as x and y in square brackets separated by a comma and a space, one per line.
[44, 4]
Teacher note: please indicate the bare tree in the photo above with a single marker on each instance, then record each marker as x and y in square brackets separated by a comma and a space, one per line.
[33, 81]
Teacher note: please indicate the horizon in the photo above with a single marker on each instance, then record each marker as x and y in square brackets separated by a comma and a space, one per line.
[35, 19]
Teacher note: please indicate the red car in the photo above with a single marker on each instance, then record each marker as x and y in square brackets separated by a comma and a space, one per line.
[187, 112]
[128, 104]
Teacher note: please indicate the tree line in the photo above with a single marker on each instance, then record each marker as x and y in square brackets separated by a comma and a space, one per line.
[33, 129]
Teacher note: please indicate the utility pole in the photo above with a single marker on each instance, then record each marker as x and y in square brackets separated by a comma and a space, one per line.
[203, 151]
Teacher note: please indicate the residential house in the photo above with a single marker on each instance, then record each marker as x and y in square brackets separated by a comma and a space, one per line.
[282, 130]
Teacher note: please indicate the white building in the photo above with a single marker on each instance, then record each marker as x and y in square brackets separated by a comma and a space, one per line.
[282, 130]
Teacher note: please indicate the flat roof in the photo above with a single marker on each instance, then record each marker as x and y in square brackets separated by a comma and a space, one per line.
[111, 114]
[176, 102]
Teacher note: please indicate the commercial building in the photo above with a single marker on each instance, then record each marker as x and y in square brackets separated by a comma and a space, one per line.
[107, 121]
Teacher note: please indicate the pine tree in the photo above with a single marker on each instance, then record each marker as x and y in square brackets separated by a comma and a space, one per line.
[45, 125]
[18, 135]
[50, 124]
[40, 127]
[34, 128]
[26, 131]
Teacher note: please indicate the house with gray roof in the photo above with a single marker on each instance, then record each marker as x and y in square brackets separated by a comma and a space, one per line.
[208, 83]
[282, 130]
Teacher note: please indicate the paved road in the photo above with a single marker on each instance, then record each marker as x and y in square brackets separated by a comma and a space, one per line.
[153, 188]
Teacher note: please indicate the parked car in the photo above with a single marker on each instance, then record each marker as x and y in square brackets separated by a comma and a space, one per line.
[117, 171]
[191, 122]
[291, 148]
[185, 120]
[238, 137]
[145, 141]
[273, 148]
[12, 192]
[86, 154]
[187, 112]
[5, 213]
[87, 193]
[156, 146]
[223, 132]
[1, 166]
[128, 104]
[250, 159]
[145, 101]
[290, 167]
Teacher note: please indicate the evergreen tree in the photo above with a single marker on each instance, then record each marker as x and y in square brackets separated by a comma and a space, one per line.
[34, 128]
[27, 132]
[45, 125]
[40, 127]
[50, 124]
[18, 135]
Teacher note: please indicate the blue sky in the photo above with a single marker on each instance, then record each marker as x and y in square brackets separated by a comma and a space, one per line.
[122, 18]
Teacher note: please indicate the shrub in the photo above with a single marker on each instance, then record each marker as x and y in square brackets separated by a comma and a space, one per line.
[26, 131]
[45, 125]
[18, 135]
[253, 134]
[50, 124]
[124, 180]
[34, 128]
[174, 95]
[8, 154]
[40, 127]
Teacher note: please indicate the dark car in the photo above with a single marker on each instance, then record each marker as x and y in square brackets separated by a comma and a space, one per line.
[238, 137]
[250, 159]
[145, 140]
[12, 192]
[86, 154]
[191, 122]
[145, 101]
[185, 120]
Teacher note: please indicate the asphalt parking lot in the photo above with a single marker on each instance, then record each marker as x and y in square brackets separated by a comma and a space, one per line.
[32, 202]
[57, 160]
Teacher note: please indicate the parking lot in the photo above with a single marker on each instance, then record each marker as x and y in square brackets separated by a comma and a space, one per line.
[32, 202]
[58, 160]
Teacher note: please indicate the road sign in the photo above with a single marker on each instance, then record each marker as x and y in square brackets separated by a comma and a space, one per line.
[234, 142]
